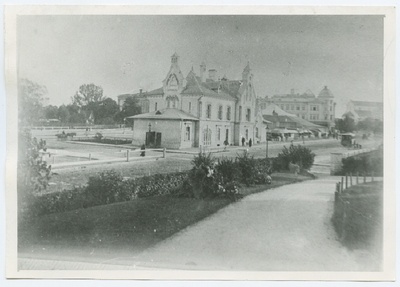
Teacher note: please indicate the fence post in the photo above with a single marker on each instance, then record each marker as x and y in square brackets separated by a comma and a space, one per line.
[351, 179]
[372, 176]
[90, 156]
[164, 152]
[127, 155]
[365, 178]
[357, 178]
[347, 184]
[341, 185]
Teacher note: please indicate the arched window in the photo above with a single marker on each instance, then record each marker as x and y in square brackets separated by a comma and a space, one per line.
[228, 113]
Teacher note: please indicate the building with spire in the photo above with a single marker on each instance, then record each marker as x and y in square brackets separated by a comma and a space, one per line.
[318, 110]
[197, 110]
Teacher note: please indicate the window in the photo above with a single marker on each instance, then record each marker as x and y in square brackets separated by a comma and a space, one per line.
[314, 108]
[207, 137]
[209, 111]
[247, 134]
[292, 107]
[326, 117]
[282, 107]
[248, 115]
[187, 134]
[227, 135]
[218, 134]
[303, 108]
[155, 106]
[297, 108]
[190, 107]
[228, 113]
[330, 108]
[256, 132]
[240, 113]
[287, 107]
[220, 112]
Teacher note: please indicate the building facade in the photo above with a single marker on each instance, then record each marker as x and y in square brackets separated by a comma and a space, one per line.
[318, 110]
[203, 110]
[361, 110]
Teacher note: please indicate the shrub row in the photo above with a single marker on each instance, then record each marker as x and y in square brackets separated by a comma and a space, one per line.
[363, 164]
[105, 188]
[300, 155]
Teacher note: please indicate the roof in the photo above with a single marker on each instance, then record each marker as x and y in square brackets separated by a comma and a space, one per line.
[367, 104]
[166, 114]
[195, 87]
[274, 113]
[325, 93]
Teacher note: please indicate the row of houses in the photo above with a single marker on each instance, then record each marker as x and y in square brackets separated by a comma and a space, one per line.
[204, 110]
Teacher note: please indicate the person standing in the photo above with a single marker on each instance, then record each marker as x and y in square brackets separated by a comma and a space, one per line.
[250, 143]
[243, 140]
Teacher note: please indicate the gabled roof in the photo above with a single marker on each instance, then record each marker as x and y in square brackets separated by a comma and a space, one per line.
[166, 114]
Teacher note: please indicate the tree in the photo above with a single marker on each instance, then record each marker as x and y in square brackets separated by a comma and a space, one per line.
[63, 114]
[88, 93]
[30, 96]
[51, 112]
[32, 172]
[345, 125]
[131, 107]
[104, 111]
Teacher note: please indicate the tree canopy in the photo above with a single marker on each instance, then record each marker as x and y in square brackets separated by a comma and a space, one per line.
[88, 93]
[345, 125]
[30, 96]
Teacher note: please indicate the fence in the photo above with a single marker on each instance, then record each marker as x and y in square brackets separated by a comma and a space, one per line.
[70, 159]
[336, 158]
[344, 211]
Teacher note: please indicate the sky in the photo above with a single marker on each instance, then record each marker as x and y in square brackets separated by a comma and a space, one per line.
[126, 53]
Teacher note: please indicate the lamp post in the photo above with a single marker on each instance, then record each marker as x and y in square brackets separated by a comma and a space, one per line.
[266, 152]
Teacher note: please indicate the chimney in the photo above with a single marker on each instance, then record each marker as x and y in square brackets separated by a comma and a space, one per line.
[212, 74]
[203, 72]
[140, 91]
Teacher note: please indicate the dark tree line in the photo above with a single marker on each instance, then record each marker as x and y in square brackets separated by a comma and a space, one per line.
[347, 124]
[88, 106]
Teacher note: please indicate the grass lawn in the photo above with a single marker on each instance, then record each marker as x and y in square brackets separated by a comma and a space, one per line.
[364, 217]
[121, 229]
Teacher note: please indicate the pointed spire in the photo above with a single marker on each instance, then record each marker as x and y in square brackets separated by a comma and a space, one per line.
[174, 58]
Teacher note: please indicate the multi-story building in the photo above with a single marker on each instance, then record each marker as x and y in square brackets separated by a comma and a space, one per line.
[360, 110]
[197, 110]
[318, 110]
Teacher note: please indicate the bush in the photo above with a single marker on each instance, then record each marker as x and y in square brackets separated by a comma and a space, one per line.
[105, 188]
[228, 169]
[201, 176]
[300, 155]
[247, 168]
[364, 164]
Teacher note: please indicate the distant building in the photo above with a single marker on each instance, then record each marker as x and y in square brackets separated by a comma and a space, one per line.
[318, 110]
[360, 110]
[197, 110]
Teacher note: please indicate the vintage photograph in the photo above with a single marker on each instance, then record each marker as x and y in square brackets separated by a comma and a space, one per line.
[205, 142]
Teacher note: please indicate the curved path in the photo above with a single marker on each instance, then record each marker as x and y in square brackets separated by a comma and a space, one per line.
[283, 229]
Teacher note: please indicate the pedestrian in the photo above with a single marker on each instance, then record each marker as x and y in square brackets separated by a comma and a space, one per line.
[143, 148]
[250, 143]
[243, 140]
